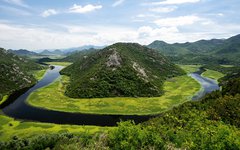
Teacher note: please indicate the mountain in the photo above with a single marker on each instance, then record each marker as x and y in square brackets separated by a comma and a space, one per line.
[85, 47]
[122, 69]
[54, 52]
[14, 72]
[23, 52]
[230, 46]
[58, 52]
[217, 51]
[74, 56]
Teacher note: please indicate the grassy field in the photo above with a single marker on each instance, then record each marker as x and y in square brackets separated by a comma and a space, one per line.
[4, 98]
[59, 63]
[227, 66]
[212, 74]
[39, 74]
[177, 90]
[190, 68]
[10, 127]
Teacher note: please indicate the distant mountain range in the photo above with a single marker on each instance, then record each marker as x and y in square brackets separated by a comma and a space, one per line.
[69, 50]
[222, 51]
[24, 52]
[55, 52]
[214, 51]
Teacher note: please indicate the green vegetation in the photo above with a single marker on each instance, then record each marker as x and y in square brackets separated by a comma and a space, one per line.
[59, 63]
[10, 128]
[223, 69]
[39, 74]
[120, 70]
[51, 96]
[75, 56]
[212, 74]
[190, 68]
[4, 98]
[211, 123]
[215, 51]
[14, 72]
[227, 66]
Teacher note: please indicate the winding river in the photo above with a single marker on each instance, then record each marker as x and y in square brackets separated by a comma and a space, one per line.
[19, 108]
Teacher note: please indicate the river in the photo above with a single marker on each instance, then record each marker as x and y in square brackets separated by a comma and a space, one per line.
[19, 109]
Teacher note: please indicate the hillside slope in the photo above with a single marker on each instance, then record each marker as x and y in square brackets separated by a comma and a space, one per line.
[14, 72]
[217, 51]
[122, 69]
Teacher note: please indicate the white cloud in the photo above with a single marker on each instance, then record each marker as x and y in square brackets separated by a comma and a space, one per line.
[17, 2]
[172, 2]
[35, 37]
[163, 9]
[84, 9]
[117, 3]
[177, 21]
[49, 12]
[220, 14]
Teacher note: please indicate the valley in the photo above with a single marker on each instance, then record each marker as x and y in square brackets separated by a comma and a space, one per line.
[123, 87]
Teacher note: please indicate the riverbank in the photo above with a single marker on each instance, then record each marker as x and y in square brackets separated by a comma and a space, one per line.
[215, 75]
[10, 127]
[51, 96]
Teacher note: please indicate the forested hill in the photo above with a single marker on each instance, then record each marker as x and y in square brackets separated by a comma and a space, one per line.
[23, 52]
[218, 51]
[122, 69]
[212, 123]
[14, 72]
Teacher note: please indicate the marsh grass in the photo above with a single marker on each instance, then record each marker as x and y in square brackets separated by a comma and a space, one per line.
[213, 74]
[10, 127]
[177, 90]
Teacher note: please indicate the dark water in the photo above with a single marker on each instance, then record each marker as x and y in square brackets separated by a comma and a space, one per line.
[19, 109]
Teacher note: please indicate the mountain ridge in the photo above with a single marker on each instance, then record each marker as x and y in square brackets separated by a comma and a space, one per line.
[223, 51]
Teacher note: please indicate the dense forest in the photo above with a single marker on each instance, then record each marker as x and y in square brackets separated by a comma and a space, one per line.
[210, 123]
[122, 69]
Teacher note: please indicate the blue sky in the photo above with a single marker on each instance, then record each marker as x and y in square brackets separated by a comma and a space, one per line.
[52, 24]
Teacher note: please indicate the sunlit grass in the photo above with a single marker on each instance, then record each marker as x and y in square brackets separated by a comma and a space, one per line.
[59, 63]
[213, 74]
[177, 90]
[4, 98]
[39, 74]
[227, 66]
[190, 68]
[10, 127]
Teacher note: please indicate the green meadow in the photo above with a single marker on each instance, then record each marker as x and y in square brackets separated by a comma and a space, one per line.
[177, 90]
[190, 68]
[10, 127]
[59, 63]
[4, 98]
[212, 74]
[39, 74]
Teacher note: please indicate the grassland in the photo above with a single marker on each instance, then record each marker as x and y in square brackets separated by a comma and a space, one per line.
[39, 74]
[10, 127]
[212, 74]
[190, 68]
[177, 90]
[59, 63]
[4, 98]
[227, 66]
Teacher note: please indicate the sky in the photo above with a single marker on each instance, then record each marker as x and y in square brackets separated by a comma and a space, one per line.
[57, 24]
